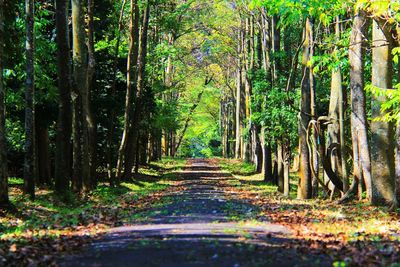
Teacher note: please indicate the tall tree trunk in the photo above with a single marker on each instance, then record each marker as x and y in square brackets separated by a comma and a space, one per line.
[336, 114]
[90, 121]
[239, 93]
[137, 114]
[382, 143]
[130, 89]
[314, 114]
[276, 69]
[81, 137]
[4, 200]
[359, 126]
[111, 126]
[305, 185]
[29, 164]
[63, 136]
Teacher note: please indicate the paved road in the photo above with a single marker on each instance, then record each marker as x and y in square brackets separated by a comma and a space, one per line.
[194, 227]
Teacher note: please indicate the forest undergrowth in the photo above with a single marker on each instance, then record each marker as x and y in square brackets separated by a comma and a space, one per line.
[38, 231]
[354, 234]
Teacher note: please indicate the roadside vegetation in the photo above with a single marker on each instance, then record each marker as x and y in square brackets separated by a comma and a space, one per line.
[56, 224]
[355, 233]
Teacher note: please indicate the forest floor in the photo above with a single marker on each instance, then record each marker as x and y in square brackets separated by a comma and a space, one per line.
[198, 214]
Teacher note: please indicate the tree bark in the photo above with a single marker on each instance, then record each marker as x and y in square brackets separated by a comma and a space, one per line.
[81, 137]
[29, 163]
[63, 130]
[239, 96]
[305, 185]
[336, 115]
[382, 145]
[90, 121]
[267, 159]
[359, 126]
[4, 200]
[137, 114]
[280, 163]
[131, 89]
[314, 115]
[286, 169]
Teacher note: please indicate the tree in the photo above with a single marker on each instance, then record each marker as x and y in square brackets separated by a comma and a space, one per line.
[131, 87]
[132, 150]
[3, 151]
[63, 139]
[81, 162]
[305, 185]
[359, 126]
[336, 135]
[29, 164]
[382, 145]
[91, 181]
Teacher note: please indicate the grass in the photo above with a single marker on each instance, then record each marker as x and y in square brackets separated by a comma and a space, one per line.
[317, 215]
[49, 215]
[355, 233]
[236, 166]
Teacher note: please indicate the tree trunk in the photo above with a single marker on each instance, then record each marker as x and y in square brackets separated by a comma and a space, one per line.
[63, 136]
[131, 87]
[336, 115]
[239, 93]
[286, 169]
[359, 130]
[276, 46]
[137, 115]
[90, 121]
[314, 115]
[267, 159]
[76, 181]
[257, 149]
[382, 145]
[4, 200]
[111, 118]
[80, 56]
[280, 171]
[29, 164]
[305, 185]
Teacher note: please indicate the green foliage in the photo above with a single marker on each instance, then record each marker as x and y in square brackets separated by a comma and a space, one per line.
[391, 106]
[280, 121]
[49, 214]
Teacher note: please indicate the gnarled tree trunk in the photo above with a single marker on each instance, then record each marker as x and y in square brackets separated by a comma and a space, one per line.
[305, 185]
